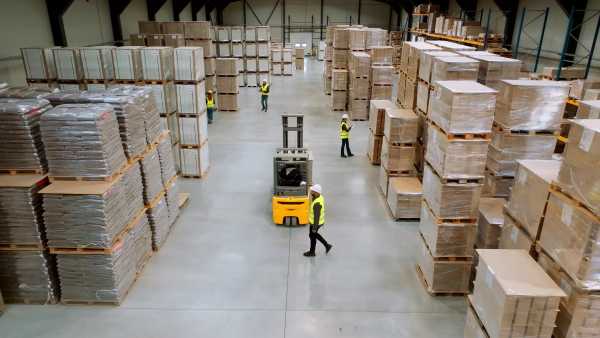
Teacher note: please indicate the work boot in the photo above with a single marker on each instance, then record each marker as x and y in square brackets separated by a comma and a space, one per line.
[328, 247]
[344, 156]
[209, 121]
[265, 110]
[310, 254]
[350, 154]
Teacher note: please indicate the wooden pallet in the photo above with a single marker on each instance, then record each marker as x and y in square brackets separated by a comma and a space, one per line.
[497, 177]
[127, 82]
[69, 81]
[23, 171]
[439, 293]
[132, 160]
[155, 200]
[460, 136]
[198, 39]
[360, 119]
[399, 172]
[183, 198]
[101, 251]
[504, 131]
[23, 247]
[230, 110]
[227, 75]
[554, 186]
[97, 81]
[336, 109]
[31, 301]
[45, 81]
[450, 220]
[400, 219]
[189, 82]
[196, 176]
[155, 82]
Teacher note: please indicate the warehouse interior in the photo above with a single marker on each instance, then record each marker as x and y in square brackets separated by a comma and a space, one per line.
[487, 246]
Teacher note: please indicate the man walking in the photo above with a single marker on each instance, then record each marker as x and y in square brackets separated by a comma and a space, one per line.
[210, 106]
[316, 219]
[264, 98]
[344, 133]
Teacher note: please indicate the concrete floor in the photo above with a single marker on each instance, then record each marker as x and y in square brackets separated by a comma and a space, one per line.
[227, 271]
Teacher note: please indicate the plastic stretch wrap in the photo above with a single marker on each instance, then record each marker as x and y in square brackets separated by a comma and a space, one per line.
[340, 58]
[227, 66]
[143, 97]
[441, 276]
[512, 236]
[339, 100]
[207, 49]
[397, 158]
[414, 56]
[513, 296]
[423, 96]
[381, 92]
[494, 69]
[224, 33]
[401, 88]
[39, 62]
[189, 63]
[128, 63]
[382, 55]
[360, 88]
[197, 29]
[472, 327]
[588, 110]
[496, 186]
[28, 275]
[531, 105]
[159, 222]
[404, 197]
[340, 37]
[446, 239]
[328, 68]
[359, 109]
[382, 75]
[106, 278]
[172, 198]
[167, 165]
[451, 200]
[228, 102]
[68, 64]
[359, 64]
[357, 38]
[191, 99]
[21, 219]
[376, 37]
[377, 115]
[570, 236]
[462, 107]
[579, 87]
[579, 312]
[157, 63]
[227, 84]
[527, 202]
[506, 149]
[374, 148]
[457, 158]
[489, 224]
[27, 92]
[82, 140]
[329, 34]
[70, 96]
[97, 62]
[339, 79]
[326, 84]
[151, 176]
[410, 95]
[86, 220]
[21, 144]
[237, 33]
[453, 68]
[400, 125]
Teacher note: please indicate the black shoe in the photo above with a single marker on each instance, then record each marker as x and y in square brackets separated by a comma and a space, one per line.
[328, 247]
[265, 110]
[262, 109]
[344, 156]
[310, 254]
[350, 154]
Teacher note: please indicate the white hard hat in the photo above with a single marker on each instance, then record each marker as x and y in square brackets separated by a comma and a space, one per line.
[345, 116]
[264, 80]
[317, 188]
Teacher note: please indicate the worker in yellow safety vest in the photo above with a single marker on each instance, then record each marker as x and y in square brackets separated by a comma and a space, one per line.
[264, 98]
[316, 219]
[344, 134]
[210, 106]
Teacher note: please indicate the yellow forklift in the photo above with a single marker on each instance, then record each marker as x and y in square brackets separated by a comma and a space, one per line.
[292, 176]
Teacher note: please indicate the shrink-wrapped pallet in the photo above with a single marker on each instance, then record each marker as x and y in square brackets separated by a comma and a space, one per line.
[197, 29]
[529, 195]
[340, 58]
[27, 92]
[588, 109]
[250, 33]
[513, 236]
[454, 68]
[329, 34]
[404, 197]
[360, 88]
[401, 89]
[128, 63]
[339, 100]
[227, 84]
[171, 123]
[381, 92]
[494, 186]
[494, 69]
[357, 39]
[97, 62]
[83, 141]
[174, 40]
[456, 158]
[426, 64]
[167, 165]
[382, 75]
[358, 109]
[194, 130]
[489, 224]
[195, 161]
[262, 33]
[443, 276]
[339, 79]
[223, 33]
[68, 64]
[172, 198]
[446, 239]
[150, 27]
[263, 49]
[451, 200]
[237, 33]
[513, 296]
[189, 64]
[29, 276]
[531, 105]
[414, 57]
[138, 40]
[376, 37]
[506, 149]
[579, 87]
[340, 38]
[410, 95]
[158, 216]
[400, 126]
[151, 176]
[173, 27]
[374, 148]
[358, 64]
[382, 55]
[377, 113]
[397, 158]
[39, 62]
[462, 107]
[21, 144]
[191, 99]
[228, 102]
[227, 66]
[166, 97]
[157, 63]
[423, 93]
[207, 47]
[92, 214]
[566, 72]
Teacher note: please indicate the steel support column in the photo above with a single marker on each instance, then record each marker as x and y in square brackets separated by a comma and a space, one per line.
[178, 7]
[574, 9]
[116, 8]
[510, 7]
[56, 10]
[359, 8]
[153, 8]
[196, 7]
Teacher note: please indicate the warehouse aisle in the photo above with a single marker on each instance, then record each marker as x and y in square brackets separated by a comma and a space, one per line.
[227, 271]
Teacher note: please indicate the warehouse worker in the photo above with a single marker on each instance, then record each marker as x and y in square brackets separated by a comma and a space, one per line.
[264, 98]
[344, 131]
[316, 220]
[210, 106]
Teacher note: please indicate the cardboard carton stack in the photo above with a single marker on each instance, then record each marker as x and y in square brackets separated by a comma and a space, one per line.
[97, 63]
[359, 94]
[339, 98]
[299, 54]
[199, 34]
[526, 123]
[328, 62]
[512, 297]
[227, 84]
[262, 45]
[404, 198]
[449, 46]
[40, 67]
[460, 114]
[223, 34]
[494, 69]
[377, 114]
[398, 145]
[489, 223]
[579, 87]
[382, 73]
[425, 85]
[409, 70]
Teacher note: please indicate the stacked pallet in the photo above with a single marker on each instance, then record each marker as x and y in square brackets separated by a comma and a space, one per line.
[69, 68]
[198, 34]
[494, 69]
[449, 46]
[409, 70]
[404, 198]
[461, 114]
[568, 244]
[328, 62]
[489, 227]
[377, 114]
[299, 54]
[227, 84]
[158, 34]
[262, 42]
[281, 61]
[359, 85]
[98, 69]
[526, 123]
[513, 297]
[40, 67]
[339, 98]
[382, 72]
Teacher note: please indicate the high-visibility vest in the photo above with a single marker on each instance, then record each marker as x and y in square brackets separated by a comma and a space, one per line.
[311, 217]
[210, 103]
[343, 134]
[264, 88]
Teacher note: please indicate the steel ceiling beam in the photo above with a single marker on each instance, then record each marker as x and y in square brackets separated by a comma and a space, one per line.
[56, 10]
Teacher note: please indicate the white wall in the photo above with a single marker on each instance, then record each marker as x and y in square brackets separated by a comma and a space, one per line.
[88, 23]
[186, 13]
[497, 21]
[165, 13]
[136, 11]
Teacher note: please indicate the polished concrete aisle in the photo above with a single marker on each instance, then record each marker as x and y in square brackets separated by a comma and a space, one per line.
[227, 271]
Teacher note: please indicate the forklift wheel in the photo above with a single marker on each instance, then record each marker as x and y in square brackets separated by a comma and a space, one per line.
[290, 221]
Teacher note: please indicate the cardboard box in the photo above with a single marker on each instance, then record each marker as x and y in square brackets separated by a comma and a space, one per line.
[68, 64]
[499, 187]
[588, 110]
[565, 73]
[194, 130]
[251, 64]
[207, 47]
[410, 95]
[357, 39]
[277, 68]
[374, 148]
[382, 55]
[531, 105]
[397, 158]
[489, 225]
[358, 64]
[237, 33]
[227, 84]
[171, 123]
[138, 39]
[165, 97]
[287, 55]
[155, 40]
[189, 64]
[157, 63]
[225, 49]
[340, 58]
[360, 88]
[39, 62]
[446, 239]
[228, 102]
[457, 158]
[227, 66]
[381, 92]
[414, 57]
[443, 276]
[197, 29]
[150, 27]
[454, 68]
[377, 113]
[263, 49]
[127, 63]
[174, 40]
[513, 296]
[592, 94]
[423, 92]
[400, 126]
[404, 197]
[173, 27]
[97, 62]
[250, 33]
[299, 63]
[471, 32]
[451, 200]
[262, 33]
[223, 33]
[512, 236]
[382, 75]
[210, 67]
[578, 88]
[191, 99]
[195, 161]
[358, 109]
[426, 64]
[339, 100]
[340, 38]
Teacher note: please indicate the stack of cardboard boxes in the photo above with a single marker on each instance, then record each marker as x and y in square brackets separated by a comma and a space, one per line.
[157, 34]
[223, 34]
[299, 54]
[382, 72]
[328, 62]
[227, 84]
[339, 98]
[40, 68]
[281, 60]
[409, 70]
[377, 114]
[262, 45]
[359, 94]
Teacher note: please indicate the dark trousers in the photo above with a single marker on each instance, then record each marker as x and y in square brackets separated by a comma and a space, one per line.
[210, 112]
[264, 100]
[346, 143]
[313, 238]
